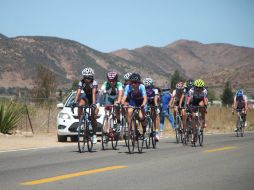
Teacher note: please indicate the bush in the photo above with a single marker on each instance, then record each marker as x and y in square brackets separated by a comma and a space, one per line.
[10, 114]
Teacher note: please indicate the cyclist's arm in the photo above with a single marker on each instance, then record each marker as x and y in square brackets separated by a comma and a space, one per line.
[77, 95]
[94, 95]
[181, 100]
[144, 101]
[120, 95]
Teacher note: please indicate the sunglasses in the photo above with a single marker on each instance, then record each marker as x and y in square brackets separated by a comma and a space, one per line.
[87, 78]
[134, 82]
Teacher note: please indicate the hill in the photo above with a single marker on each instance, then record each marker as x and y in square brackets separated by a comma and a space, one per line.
[215, 63]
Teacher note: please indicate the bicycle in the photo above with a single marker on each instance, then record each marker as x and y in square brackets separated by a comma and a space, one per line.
[188, 132]
[134, 134]
[124, 124]
[150, 133]
[197, 133]
[110, 133]
[85, 129]
[178, 126]
[240, 123]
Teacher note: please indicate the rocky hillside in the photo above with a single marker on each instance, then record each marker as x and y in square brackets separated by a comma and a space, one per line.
[215, 63]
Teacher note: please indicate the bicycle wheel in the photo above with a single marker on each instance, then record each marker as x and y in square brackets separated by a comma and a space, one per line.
[177, 129]
[195, 132]
[188, 130]
[104, 135]
[139, 136]
[131, 137]
[242, 126]
[114, 135]
[201, 137]
[81, 136]
[89, 136]
[125, 131]
[148, 134]
[238, 132]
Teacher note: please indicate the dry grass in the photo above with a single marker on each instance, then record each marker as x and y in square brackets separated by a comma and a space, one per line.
[219, 120]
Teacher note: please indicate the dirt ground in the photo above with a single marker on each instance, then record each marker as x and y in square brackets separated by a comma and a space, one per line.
[28, 140]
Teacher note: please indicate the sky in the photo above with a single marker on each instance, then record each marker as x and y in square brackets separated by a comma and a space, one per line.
[109, 25]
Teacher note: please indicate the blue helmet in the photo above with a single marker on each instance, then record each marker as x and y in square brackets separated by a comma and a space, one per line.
[239, 93]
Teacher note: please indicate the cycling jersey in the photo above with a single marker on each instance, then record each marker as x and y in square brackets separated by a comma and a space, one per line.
[135, 96]
[176, 95]
[87, 90]
[240, 101]
[111, 94]
[197, 96]
[151, 93]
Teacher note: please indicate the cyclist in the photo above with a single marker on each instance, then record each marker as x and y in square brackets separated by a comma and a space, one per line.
[126, 79]
[165, 98]
[240, 103]
[136, 93]
[112, 91]
[87, 95]
[153, 100]
[198, 97]
[178, 101]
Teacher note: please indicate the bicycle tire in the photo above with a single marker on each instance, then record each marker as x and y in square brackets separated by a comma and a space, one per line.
[139, 136]
[177, 130]
[114, 135]
[131, 138]
[148, 134]
[201, 138]
[89, 136]
[242, 128]
[125, 131]
[238, 127]
[104, 134]
[81, 136]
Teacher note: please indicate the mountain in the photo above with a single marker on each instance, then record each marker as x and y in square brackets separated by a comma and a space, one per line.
[215, 63]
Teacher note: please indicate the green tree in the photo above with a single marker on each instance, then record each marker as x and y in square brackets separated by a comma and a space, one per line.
[176, 77]
[74, 85]
[211, 95]
[227, 95]
[45, 84]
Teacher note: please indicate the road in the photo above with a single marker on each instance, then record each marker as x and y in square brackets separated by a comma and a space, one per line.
[224, 162]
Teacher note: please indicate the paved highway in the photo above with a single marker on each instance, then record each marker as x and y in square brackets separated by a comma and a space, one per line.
[224, 162]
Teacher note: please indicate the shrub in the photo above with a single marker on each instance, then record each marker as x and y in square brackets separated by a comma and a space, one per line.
[10, 114]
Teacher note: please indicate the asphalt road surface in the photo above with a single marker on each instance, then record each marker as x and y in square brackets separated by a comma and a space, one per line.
[224, 162]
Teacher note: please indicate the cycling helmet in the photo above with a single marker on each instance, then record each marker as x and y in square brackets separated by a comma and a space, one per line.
[88, 72]
[135, 77]
[239, 93]
[199, 83]
[127, 76]
[148, 82]
[112, 75]
[190, 83]
[179, 85]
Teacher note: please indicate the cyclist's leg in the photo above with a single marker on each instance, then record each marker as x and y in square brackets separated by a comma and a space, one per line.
[162, 120]
[184, 119]
[202, 111]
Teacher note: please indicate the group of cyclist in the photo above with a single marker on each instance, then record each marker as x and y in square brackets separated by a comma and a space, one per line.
[187, 97]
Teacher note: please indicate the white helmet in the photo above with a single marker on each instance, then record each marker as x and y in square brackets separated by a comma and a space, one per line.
[148, 82]
[127, 76]
[88, 72]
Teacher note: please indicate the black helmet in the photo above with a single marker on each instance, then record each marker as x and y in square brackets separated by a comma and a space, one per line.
[135, 77]
[190, 83]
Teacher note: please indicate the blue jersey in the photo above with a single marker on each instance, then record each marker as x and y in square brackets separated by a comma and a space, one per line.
[165, 99]
[135, 96]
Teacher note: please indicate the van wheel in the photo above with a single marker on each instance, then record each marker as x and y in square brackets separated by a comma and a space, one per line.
[61, 138]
